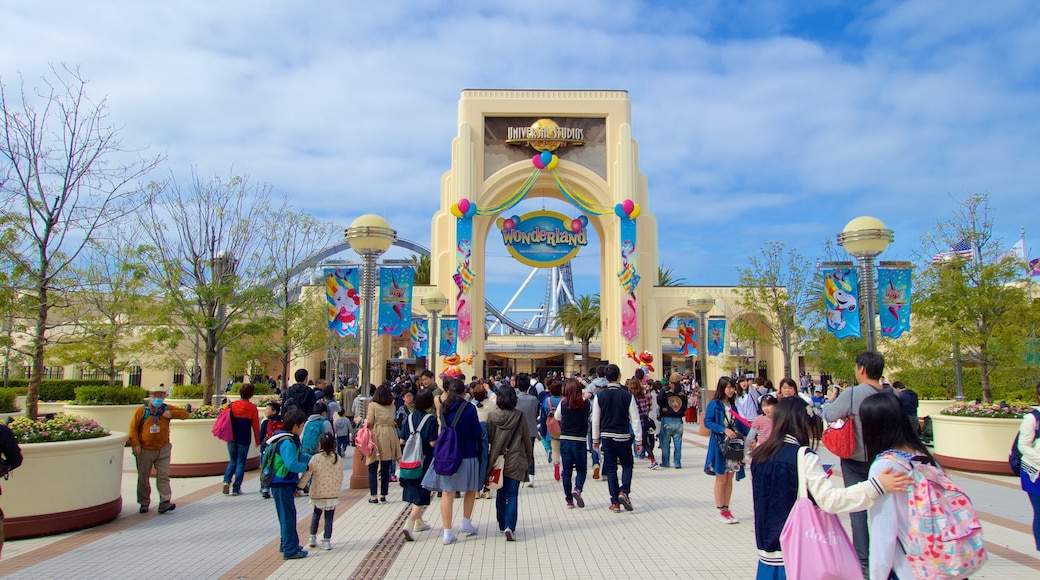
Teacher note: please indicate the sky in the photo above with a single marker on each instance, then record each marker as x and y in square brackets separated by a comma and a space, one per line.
[756, 121]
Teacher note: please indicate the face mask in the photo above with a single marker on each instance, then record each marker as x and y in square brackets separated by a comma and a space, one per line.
[157, 402]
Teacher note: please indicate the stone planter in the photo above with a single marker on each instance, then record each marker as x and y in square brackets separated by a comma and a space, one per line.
[113, 417]
[65, 486]
[45, 407]
[931, 408]
[183, 403]
[197, 452]
[974, 443]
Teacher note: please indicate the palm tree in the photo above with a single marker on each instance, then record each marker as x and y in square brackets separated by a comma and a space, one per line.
[664, 278]
[422, 270]
[581, 318]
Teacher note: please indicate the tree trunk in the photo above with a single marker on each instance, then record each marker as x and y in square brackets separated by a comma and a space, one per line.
[987, 396]
[585, 357]
[208, 367]
[786, 348]
[38, 344]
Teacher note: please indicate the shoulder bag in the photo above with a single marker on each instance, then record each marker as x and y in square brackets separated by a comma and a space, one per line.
[840, 436]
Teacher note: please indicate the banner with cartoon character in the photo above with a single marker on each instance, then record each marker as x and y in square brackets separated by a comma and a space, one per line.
[841, 296]
[894, 297]
[716, 336]
[395, 300]
[464, 276]
[420, 338]
[688, 337]
[628, 276]
[344, 300]
[448, 337]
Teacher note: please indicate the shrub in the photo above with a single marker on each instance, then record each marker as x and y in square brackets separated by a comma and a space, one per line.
[187, 392]
[261, 388]
[56, 389]
[62, 427]
[18, 391]
[1003, 381]
[7, 401]
[109, 396]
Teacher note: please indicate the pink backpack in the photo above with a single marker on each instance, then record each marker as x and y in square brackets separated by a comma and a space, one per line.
[363, 440]
[945, 533]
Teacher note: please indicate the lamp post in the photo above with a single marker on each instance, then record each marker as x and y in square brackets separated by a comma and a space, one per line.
[865, 238]
[369, 236]
[702, 303]
[434, 303]
[224, 265]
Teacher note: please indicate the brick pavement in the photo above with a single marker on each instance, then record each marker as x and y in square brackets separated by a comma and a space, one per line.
[670, 534]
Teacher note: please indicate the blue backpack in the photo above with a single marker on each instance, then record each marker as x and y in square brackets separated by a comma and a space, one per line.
[447, 455]
[1015, 456]
[311, 433]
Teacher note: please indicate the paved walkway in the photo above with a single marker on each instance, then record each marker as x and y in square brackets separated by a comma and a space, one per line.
[671, 534]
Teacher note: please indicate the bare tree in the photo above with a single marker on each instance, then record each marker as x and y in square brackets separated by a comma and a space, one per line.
[63, 166]
[207, 243]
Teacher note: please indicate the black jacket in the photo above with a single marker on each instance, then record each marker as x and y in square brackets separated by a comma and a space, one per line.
[300, 396]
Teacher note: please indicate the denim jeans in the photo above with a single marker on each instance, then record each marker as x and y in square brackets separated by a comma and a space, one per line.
[588, 445]
[614, 453]
[236, 465]
[384, 477]
[505, 504]
[342, 442]
[671, 431]
[285, 504]
[1035, 500]
[853, 472]
[316, 517]
[572, 455]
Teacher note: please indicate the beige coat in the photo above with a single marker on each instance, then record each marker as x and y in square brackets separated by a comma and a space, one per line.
[384, 433]
[326, 476]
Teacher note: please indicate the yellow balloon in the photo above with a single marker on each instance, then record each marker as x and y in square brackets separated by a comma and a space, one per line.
[455, 211]
[635, 211]
[499, 222]
[553, 164]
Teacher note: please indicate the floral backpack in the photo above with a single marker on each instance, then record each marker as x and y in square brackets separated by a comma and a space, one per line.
[945, 533]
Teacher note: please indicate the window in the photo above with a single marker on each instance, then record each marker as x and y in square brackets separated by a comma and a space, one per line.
[178, 376]
[134, 378]
[48, 372]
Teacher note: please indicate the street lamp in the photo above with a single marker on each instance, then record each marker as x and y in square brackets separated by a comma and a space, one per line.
[702, 303]
[369, 236]
[434, 302]
[865, 238]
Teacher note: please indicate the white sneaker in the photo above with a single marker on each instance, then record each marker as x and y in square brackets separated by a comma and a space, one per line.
[421, 526]
[326, 544]
[449, 538]
[730, 518]
[720, 517]
[469, 530]
[313, 541]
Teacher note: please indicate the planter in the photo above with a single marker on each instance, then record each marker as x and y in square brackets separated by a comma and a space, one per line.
[45, 407]
[931, 408]
[197, 452]
[195, 403]
[974, 443]
[113, 417]
[65, 486]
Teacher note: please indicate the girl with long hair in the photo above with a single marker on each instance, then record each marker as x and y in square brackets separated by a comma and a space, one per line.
[646, 404]
[1029, 447]
[787, 460]
[548, 409]
[381, 412]
[326, 477]
[573, 413]
[722, 419]
[412, 490]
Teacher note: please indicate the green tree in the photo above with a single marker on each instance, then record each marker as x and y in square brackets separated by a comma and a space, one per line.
[981, 301]
[777, 284]
[422, 270]
[745, 336]
[834, 356]
[582, 319]
[63, 165]
[665, 277]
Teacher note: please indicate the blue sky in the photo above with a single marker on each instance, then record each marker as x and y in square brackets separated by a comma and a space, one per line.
[758, 120]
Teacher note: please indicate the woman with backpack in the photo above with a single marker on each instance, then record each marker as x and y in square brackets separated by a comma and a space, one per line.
[507, 432]
[380, 419]
[456, 463]
[424, 425]
[548, 409]
[573, 413]
[1029, 448]
[722, 419]
[787, 461]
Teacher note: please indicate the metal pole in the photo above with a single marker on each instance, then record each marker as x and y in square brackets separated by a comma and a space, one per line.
[366, 323]
[431, 358]
[702, 352]
[957, 376]
[868, 289]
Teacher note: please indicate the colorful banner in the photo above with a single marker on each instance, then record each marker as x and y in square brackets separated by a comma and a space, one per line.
[716, 336]
[447, 337]
[545, 238]
[688, 336]
[629, 278]
[841, 295]
[344, 300]
[464, 276]
[420, 338]
[395, 300]
[894, 289]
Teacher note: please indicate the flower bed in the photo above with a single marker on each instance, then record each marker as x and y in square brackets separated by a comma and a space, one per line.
[985, 411]
[976, 437]
[62, 427]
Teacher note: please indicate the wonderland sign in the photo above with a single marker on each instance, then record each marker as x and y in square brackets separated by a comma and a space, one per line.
[544, 239]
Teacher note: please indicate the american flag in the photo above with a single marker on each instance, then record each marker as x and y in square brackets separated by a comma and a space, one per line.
[962, 249]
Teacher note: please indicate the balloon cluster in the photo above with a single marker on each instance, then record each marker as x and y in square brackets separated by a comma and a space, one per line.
[545, 160]
[464, 208]
[578, 223]
[627, 209]
[508, 223]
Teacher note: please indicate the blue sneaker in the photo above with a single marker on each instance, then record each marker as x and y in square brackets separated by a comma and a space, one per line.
[296, 556]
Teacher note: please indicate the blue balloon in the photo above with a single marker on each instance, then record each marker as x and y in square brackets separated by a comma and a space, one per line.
[515, 218]
[620, 211]
[472, 211]
[546, 156]
[584, 220]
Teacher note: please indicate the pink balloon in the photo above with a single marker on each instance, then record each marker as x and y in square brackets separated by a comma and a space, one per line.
[508, 225]
[628, 206]
[576, 225]
[464, 205]
[537, 160]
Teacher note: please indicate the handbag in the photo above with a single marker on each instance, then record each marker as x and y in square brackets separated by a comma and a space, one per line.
[840, 436]
[814, 543]
[222, 426]
[495, 477]
[732, 449]
[552, 426]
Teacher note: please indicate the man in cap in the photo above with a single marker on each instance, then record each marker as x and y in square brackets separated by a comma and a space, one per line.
[150, 441]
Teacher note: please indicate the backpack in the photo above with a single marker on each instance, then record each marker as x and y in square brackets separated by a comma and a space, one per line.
[222, 427]
[412, 457]
[945, 534]
[311, 433]
[363, 440]
[267, 467]
[1015, 456]
[447, 456]
[274, 426]
[552, 426]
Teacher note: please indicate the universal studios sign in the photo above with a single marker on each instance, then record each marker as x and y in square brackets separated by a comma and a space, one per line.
[544, 239]
[545, 135]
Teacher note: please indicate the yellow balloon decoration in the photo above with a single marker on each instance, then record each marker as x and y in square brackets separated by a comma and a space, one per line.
[455, 211]
[635, 211]
[554, 163]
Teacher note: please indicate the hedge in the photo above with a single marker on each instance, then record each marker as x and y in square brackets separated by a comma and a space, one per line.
[1006, 383]
[261, 388]
[106, 395]
[7, 401]
[57, 389]
[187, 392]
